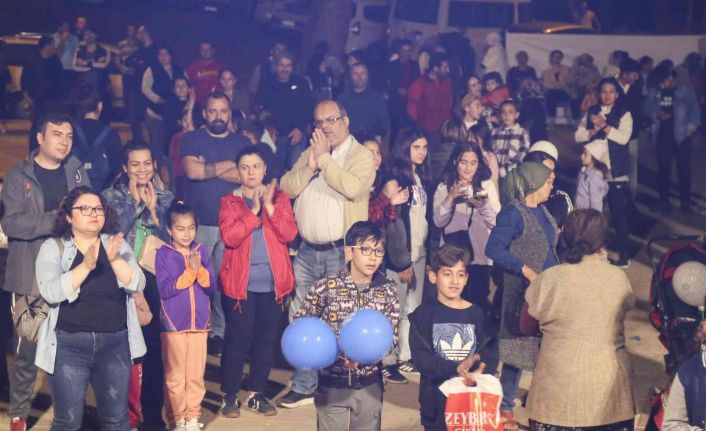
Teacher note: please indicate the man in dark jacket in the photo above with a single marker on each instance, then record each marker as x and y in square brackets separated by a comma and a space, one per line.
[402, 71]
[366, 108]
[32, 193]
[674, 110]
[631, 95]
[96, 144]
[289, 99]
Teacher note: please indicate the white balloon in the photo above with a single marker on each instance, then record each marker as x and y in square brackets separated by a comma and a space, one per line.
[689, 283]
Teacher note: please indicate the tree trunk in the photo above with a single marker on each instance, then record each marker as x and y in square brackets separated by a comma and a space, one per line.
[328, 22]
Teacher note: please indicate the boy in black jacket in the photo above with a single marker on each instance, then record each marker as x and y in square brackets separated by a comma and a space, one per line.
[447, 336]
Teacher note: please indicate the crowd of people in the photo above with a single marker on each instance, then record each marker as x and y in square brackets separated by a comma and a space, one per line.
[405, 189]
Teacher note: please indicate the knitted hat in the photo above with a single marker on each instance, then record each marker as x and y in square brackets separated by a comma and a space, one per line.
[545, 147]
[599, 150]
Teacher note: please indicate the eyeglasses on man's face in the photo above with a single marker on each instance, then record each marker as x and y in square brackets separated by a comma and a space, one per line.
[367, 251]
[87, 210]
[330, 121]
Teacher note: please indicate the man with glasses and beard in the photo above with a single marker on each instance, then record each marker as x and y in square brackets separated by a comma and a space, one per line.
[208, 156]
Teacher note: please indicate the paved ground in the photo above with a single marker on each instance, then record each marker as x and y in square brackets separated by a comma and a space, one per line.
[400, 407]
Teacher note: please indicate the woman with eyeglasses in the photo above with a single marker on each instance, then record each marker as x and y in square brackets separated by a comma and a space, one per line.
[256, 223]
[88, 274]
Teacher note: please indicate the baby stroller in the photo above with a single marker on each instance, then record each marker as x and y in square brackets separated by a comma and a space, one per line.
[676, 321]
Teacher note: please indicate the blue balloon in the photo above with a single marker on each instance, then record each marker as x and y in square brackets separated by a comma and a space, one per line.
[366, 336]
[309, 344]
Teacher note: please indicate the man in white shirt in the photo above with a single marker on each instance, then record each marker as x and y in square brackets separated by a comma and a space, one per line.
[331, 183]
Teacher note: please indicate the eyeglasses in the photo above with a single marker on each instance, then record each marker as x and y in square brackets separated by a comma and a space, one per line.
[330, 121]
[89, 210]
[367, 251]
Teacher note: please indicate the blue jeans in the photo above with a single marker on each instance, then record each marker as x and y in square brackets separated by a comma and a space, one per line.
[210, 238]
[309, 266]
[101, 359]
[510, 381]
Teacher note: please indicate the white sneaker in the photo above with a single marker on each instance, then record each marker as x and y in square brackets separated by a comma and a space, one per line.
[180, 425]
[193, 425]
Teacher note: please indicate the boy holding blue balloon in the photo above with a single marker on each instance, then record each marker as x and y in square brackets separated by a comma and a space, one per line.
[447, 336]
[349, 395]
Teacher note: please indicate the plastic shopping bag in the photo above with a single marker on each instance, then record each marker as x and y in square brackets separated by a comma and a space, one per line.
[473, 408]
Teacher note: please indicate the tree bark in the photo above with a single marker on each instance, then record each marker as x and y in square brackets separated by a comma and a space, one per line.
[328, 22]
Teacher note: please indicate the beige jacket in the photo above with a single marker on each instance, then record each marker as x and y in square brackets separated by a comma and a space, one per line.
[582, 377]
[353, 180]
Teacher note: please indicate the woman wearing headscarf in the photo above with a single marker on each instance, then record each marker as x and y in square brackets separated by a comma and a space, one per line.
[522, 244]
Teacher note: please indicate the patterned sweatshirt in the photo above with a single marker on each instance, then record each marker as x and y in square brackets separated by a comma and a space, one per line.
[333, 299]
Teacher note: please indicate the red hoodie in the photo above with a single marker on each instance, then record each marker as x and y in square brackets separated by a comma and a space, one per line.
[237, 223]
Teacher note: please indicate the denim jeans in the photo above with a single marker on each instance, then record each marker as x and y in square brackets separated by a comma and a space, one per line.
[210, 238]
[410, 296]
[309, 266]
[101, 359]
[510, 380]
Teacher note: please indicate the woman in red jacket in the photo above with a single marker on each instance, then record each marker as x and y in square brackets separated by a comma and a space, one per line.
[256, 223]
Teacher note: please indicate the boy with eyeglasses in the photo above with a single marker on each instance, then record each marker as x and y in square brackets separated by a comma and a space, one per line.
[349, 395]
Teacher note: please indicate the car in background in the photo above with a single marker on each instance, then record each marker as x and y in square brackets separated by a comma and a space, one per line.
[422, 20]
[19, 48]
[368, 24]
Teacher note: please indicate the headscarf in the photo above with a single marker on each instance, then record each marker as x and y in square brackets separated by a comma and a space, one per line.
[524, 180]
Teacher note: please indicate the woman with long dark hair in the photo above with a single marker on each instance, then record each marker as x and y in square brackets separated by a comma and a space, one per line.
[610, 123]
[157, 87]
[406, 240]
[140, 203]
[88, 274]
[466, 203]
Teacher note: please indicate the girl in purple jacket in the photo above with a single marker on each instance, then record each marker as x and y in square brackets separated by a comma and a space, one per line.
[592, 185]
[185, 277]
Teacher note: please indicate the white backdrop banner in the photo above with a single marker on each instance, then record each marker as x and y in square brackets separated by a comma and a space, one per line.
[538, 46]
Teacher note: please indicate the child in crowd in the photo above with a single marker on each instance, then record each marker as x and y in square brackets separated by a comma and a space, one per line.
[509, 142]
[478, 131]
[185, 279]
[178, 177]
[495, 90]
[447, 336]
[349, 395]
[256, 223]
[592, 186]
[383, 197]
[254, 130]
[406, 241]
